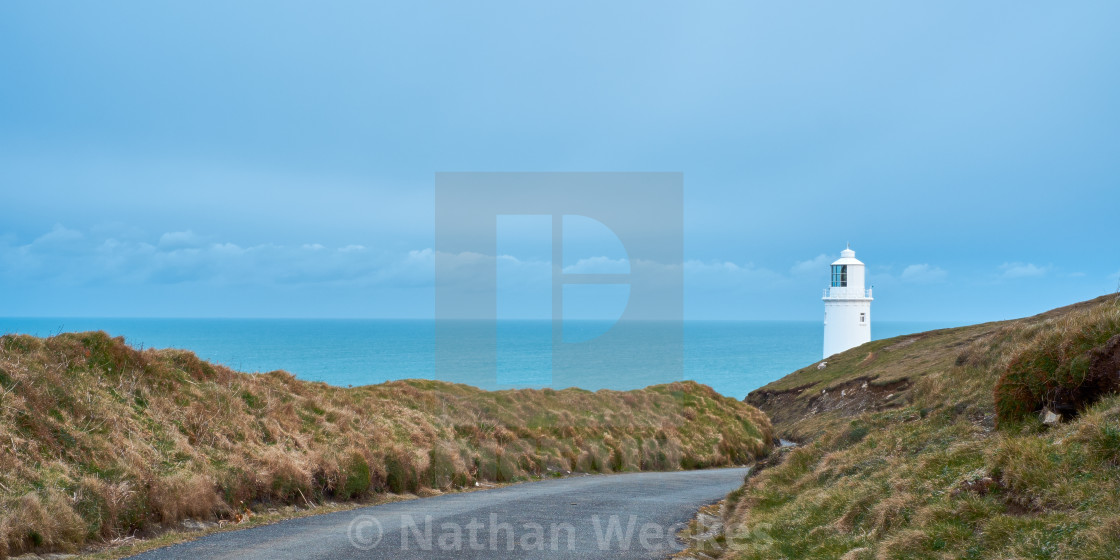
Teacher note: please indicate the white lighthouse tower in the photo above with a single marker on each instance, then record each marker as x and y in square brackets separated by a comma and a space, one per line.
[847, 306]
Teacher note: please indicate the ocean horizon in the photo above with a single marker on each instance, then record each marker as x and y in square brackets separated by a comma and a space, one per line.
[733, 357]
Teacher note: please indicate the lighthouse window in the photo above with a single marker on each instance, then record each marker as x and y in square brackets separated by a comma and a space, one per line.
[863, 317]
[839, 276]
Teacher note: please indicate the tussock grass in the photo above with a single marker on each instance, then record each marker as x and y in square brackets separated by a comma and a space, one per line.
[1065, 367]
[99, 440]
[930, 476]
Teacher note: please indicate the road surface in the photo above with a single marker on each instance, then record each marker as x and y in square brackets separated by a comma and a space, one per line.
[605, 516]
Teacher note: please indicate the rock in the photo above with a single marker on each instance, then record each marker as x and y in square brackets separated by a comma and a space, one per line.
[822, 365]
[980, 486]
[1049, 417]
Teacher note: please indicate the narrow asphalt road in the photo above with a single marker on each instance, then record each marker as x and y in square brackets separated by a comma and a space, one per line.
[611, 516]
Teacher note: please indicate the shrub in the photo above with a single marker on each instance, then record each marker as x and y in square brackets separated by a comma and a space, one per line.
[1067, 369]
[400, 472]
[356, 477]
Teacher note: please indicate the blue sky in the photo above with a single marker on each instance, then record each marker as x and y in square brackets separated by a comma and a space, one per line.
[277, 159]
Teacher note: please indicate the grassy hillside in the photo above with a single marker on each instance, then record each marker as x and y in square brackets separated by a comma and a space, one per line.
[99, 440]
[906, 454]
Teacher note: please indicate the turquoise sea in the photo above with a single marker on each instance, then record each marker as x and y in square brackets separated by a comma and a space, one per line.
[734, 357]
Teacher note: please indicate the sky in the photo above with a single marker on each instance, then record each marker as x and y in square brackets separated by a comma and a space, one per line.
[278, 159]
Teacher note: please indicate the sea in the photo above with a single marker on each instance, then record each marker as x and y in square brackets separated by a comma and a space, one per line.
[733, 357]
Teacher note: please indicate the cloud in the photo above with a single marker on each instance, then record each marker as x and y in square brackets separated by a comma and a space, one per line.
[923, 274]
[1022, 270]
[179, 240]
[727, 274]
[58, 238]
[113, 257]
[70, 257]
[818, 265]
[599, 265]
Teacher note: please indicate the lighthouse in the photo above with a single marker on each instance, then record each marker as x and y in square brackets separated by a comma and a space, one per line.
[847, 306]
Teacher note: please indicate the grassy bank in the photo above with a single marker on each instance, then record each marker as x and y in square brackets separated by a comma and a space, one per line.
[100, 440]
[931, 446]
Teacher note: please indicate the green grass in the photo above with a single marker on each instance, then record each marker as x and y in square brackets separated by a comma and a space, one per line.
[929, 475]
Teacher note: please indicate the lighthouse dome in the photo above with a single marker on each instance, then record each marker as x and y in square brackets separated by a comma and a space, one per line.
[848, 256]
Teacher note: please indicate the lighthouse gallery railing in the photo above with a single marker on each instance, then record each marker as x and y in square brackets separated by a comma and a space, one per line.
[846, 293]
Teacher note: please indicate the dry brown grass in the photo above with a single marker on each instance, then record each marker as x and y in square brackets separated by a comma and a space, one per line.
[100, 441]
